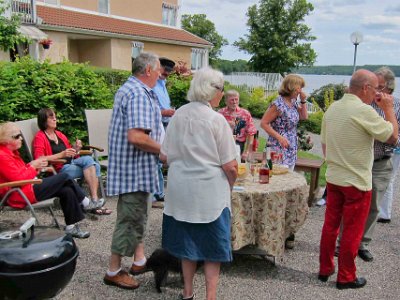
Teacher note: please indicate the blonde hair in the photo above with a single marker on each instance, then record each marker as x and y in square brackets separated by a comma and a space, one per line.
[5, 131]
[290, 83]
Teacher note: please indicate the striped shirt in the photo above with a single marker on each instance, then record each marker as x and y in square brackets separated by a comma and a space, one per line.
[129, 168]
[383, 149]
[349, 128]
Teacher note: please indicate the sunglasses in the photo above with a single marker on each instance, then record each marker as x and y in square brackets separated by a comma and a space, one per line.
[17, 136]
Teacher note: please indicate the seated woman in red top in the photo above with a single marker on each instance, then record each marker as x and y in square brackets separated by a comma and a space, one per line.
[13, 168]
[53, 144]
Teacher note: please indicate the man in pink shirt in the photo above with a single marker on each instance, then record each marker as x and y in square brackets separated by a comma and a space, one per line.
[240, 121]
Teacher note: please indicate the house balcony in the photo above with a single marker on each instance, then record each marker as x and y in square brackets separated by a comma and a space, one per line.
[26, 9]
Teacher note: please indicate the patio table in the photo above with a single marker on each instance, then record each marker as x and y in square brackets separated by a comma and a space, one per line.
[264, 215]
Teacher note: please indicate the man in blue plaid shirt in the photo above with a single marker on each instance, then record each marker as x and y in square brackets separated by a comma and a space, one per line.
[134, 145]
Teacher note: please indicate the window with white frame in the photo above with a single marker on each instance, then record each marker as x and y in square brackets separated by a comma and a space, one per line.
[169, 14]
[137, 48]
[104, 6]
[199, 58]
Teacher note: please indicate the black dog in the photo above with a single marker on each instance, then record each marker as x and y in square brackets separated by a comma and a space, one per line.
[161, 262]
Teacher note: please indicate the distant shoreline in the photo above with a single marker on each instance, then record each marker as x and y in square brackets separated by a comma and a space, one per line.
[341, 70]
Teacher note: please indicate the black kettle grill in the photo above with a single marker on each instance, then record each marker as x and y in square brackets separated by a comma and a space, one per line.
[35, 262]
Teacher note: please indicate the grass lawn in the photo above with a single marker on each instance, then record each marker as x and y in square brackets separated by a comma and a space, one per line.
[302, 154]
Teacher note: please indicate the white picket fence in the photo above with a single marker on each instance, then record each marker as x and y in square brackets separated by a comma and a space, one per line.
[270, 82]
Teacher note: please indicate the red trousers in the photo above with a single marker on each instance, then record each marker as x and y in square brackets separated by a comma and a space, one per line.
[350, 206]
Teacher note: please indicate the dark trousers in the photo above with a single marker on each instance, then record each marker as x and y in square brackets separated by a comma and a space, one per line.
[69, 192]
[350, 206]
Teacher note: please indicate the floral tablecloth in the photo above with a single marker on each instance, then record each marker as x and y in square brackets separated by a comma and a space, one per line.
[266, 214]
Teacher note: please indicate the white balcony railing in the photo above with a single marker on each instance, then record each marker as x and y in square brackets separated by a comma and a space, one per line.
[26, 9]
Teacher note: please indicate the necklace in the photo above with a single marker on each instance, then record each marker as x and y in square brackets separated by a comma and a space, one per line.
[52, 136]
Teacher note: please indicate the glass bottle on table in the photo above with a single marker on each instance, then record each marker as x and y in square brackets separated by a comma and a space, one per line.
[264, 171]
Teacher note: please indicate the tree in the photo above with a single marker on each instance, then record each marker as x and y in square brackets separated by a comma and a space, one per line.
[276, 30]
[200, 26]
[9, 34]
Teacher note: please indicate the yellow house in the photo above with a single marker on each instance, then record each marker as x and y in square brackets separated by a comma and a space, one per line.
[108, 33]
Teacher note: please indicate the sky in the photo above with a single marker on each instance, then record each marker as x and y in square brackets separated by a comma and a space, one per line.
[331, 22]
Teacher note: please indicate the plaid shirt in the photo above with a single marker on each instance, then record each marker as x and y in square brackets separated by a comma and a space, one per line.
[129, 168]
[383, 149]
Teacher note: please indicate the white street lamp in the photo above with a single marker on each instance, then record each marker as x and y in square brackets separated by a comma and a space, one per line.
[356, 38]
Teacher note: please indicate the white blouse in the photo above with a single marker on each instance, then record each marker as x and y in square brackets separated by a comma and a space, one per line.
[197, 143]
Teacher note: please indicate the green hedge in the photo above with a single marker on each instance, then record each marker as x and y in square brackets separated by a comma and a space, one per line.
[27, 85]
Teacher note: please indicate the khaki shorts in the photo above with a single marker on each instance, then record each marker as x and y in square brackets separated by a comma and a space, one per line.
[130, 226]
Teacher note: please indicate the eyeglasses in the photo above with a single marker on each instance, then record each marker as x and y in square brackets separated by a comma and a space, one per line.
[377, 89]
[17, 136]
[381, 88]
[222, 89]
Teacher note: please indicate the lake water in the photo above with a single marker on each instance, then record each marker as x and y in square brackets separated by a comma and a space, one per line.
[314, 82]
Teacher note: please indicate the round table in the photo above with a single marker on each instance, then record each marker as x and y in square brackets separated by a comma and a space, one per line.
[264, 215]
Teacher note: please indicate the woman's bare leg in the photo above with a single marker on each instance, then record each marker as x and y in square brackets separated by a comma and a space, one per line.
[211, 272]
[188, 270]
[93, 182]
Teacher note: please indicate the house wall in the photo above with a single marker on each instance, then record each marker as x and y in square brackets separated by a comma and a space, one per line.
[59, 48]
[87, 4]
[121, 54]
[4, 56]
[150, 10]
[96, 52]
[139, 9]
[174, 52]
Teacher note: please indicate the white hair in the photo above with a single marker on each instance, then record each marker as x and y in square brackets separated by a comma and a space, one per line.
[205, 85]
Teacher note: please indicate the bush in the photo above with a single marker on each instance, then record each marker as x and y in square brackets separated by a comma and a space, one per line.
[313, 123]
[178, 86]
[113, 78]
[27, 85]
[326, 94]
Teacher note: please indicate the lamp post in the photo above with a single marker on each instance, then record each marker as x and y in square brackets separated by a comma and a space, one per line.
[356, 38]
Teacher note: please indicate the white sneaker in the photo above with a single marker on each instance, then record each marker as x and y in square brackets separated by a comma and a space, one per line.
[321, 202]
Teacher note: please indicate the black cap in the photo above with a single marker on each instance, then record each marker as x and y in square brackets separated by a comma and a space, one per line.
[167, 64]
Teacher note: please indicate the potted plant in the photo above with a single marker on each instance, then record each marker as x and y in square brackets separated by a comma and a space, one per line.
[46, 43]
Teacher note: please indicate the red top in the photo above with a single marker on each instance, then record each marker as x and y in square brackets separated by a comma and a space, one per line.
[240, 114]
[41, 146]
[13, 168]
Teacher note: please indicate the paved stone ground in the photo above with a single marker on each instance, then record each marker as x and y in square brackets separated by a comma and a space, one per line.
[247, 277]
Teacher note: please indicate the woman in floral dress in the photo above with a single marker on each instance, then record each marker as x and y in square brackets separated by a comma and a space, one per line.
[281, 118]
[280, 122]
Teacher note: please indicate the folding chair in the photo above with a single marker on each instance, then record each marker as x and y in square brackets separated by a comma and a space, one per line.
[29, 128]
[15, 186]
[98, 121]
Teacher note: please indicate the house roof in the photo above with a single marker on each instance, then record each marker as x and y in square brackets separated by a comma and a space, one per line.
[60, 17]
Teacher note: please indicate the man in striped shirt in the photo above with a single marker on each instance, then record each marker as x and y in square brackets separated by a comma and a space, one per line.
[134, 145]
[382, 167]
[349, 128]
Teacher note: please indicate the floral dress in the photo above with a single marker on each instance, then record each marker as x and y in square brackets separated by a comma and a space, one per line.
[286, 125]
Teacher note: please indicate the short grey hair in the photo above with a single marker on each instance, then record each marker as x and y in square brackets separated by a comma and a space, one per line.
[231, 93]
[205, 85]
[142, 61]
[388, 76]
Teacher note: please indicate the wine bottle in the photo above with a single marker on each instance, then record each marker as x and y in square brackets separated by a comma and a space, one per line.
[254, 146]
[264, 172]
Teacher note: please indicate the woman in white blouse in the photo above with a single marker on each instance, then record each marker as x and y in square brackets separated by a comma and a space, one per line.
[200, 151]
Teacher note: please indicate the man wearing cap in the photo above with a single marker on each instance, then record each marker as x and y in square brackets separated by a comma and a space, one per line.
[160, 89]
[164, 101]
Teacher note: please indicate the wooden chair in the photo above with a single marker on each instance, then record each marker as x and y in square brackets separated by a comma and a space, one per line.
[15, 186]
[313, 166]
